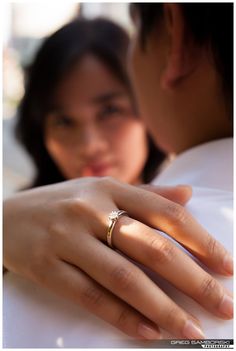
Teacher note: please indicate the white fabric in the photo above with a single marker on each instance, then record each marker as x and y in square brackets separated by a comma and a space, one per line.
[33, 317]
[208, 165]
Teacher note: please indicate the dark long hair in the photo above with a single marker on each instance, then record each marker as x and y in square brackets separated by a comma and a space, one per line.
[100, 37]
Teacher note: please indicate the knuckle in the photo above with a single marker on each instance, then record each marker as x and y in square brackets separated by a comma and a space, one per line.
[123, 319]
[56, 229]
[58, 235]
[170, 316]
[75, 205]
[212, 246]
[160, 251]
[91, 297]
[79, 208]
[109, 183]
[105, 181]
[177, 213]
[123, 278]
[208, 288]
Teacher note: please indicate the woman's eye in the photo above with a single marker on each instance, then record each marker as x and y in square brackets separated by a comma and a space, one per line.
[63, 121]
[111, 110]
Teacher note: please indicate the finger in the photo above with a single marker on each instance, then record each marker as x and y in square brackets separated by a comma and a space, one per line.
[174, 220]
[148, 247]
[73, 284]
[130, 284]
[180, 194]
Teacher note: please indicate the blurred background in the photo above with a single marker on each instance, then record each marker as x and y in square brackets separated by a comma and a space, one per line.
[26, 25]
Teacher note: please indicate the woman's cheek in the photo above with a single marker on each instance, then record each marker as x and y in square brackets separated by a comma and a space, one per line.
[63, 156]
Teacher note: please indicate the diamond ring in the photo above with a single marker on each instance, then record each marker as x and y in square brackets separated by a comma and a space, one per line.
[113, 218]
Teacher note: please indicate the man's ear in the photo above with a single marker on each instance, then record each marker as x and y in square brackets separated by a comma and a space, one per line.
[182, 52]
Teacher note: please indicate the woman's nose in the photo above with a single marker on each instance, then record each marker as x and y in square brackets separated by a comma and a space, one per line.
[92, 141]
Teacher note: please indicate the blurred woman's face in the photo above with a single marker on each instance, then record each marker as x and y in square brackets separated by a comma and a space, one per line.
[91, 129]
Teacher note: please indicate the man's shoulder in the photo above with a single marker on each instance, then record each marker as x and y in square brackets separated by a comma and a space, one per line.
[209, 165]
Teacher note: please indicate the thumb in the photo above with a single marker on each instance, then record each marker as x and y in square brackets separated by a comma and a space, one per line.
[180, 194]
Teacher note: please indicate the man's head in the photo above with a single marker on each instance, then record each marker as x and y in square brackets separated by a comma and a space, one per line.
[182, 68]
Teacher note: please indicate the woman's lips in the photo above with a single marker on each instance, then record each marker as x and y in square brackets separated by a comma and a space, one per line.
[98, 169]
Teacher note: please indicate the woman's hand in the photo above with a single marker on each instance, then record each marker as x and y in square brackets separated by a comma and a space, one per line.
[56, 236]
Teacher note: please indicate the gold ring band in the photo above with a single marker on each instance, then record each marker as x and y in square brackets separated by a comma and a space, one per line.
[113, 218]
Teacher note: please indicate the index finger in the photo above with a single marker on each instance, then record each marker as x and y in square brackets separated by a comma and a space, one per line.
[176, 221]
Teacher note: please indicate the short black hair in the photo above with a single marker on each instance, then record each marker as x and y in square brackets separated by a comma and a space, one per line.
[59, 52]
[210, 24]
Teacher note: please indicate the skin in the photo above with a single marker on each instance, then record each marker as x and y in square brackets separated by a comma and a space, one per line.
[92, 129]
[115, 289]
[178, 87]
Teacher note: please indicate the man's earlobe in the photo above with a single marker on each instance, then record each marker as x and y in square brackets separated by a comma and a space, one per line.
[180, 58]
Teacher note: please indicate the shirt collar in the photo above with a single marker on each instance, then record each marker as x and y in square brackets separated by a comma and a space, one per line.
[207, 165]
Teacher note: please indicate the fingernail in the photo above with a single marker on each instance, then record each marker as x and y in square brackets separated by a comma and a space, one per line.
[192, 331]
[227, 306]
[148, 332]
[228, 264]
[184, 186]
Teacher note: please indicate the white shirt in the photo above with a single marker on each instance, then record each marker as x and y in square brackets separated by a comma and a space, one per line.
[34, 317]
